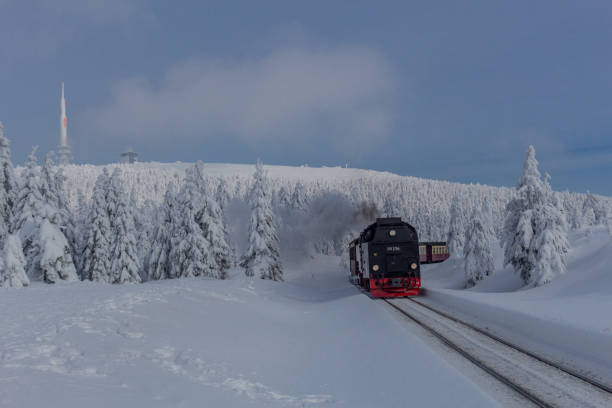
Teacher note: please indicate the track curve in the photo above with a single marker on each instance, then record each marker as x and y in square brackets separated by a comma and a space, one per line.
[596, 383]
[533, 378]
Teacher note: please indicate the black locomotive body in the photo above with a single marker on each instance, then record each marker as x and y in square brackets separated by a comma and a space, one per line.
[384, 260]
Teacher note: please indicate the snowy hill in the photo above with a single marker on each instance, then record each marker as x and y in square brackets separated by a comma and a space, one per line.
[422, 202]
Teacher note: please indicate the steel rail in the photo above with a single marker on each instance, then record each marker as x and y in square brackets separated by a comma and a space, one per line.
[595, 383]
[473, 359]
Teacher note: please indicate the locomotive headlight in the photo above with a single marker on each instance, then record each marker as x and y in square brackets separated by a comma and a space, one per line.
[392, 233]
[413, 266]
[375, 268]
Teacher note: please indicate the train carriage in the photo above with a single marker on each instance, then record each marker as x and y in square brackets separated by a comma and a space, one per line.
[433, 252]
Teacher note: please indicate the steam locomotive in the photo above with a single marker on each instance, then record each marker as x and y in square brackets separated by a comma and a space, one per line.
[386, 258]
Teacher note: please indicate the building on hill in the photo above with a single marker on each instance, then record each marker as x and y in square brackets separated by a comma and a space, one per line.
[129, 157]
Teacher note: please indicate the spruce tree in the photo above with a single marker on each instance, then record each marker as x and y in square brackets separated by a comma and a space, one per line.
[477, 250]
[223, 198]
[29, 197]
[456, 230]
[222, 194]
[55, 260]
[263, 256]
[284, 197]
[125, 265]
[28, 211]
[38, 222]
[550, 239]
[575, 218]
[190, 251]
[159, 267]
[593, 210]
[588, 217]
[299, 198]
[144, 223]
[81, 223]
[97, 250]
[8, 186]
[12, 264]
[55, 197]
[487, 219]
[535, 230]
[211, 222]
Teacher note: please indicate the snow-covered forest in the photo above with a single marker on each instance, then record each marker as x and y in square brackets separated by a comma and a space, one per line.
[150, 221]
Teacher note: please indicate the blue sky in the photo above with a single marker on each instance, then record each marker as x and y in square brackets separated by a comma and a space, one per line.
[439, 89]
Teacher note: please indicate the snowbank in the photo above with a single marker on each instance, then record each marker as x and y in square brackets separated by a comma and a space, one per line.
[313, 341]
[568, 320]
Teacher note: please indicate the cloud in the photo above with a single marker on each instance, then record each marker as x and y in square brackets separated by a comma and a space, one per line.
[341, 95]
[37, 29]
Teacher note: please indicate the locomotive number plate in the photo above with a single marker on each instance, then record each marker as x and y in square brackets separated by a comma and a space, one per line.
[396, 282]
[393, 249]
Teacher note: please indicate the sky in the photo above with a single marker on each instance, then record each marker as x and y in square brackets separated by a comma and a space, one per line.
[438, 89]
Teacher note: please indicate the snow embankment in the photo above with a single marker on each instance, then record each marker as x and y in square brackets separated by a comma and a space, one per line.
[568, 321]
[313, 341]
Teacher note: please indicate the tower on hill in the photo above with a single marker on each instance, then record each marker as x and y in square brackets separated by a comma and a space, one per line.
[64, 154]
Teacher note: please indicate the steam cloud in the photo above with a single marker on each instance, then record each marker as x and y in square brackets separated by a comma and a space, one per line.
[365, 213]
[329, 220]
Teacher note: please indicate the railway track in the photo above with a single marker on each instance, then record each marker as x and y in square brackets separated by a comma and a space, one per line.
[537, 380]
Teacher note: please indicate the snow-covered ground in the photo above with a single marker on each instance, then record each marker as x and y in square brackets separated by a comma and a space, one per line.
[568, 320]
[314, 340]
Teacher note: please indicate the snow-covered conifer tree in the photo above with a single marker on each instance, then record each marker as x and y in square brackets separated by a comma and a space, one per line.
[222, 194]
[125, 265]
[477, 250]
[12, 264]
[69, 226]
[29, 198]
[55, 197]
[145, 220]
[97, 250]
[262, 257]
[159, 267]
[550, 239]
[190, 251]
[81, 224]
[216, 209]
[211, 222]
[588, 217]
[574, 218]
[55, 254]
[519, 226]
[8, 186]
[38, 222]
[456, 230]
[284, 197]
[596, 208]
[487, 219]
[299, 198]
[535, 229]
[28, 209]
[50, 195]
